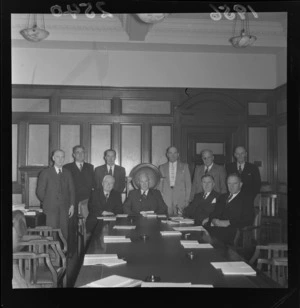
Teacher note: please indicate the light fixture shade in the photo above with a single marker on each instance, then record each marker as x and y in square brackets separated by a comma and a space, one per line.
[34, 34]
[152, 18]
[243, 40]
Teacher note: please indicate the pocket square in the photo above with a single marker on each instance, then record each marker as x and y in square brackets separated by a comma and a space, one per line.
[214, 201]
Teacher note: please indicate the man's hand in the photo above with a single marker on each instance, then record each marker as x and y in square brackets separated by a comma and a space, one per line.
[71, 211]
[105, 213]
[204, 221]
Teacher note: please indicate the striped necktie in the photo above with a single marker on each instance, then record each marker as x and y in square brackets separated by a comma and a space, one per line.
[110, 171]
[80, 167]
[205, 195]
[229, 198]
[240, 169]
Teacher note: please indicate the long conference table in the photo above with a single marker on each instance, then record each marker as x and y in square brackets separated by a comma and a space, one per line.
[164, 256]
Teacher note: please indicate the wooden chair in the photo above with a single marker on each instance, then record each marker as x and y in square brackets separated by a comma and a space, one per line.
[39, 232]
[247, 238]
[271, 223]
[83, 213]
[33, 268]
[272, 259]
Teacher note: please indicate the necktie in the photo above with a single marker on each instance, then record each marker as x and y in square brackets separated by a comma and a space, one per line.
[206, 170]
[110, 171]
[205, 195]
[60, 180]
[240, 169]
[59, 171]
[228, 199]
[106, 197]
[144, 195]
[80, 166]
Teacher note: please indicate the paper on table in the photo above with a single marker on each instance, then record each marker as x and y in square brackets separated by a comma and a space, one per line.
[114, 281]
[191, 228]
[161, 216]
[170, 233]
[116, 239]
[176, 218]
[107, 218]
[194, 244]
[101, 256]
[165, 284]
[234, 268]
[146, 212]
[30, 213]
[122, 215]
[124, 227]
[98, 261]
[113, 262]
[187, 221]
[170, 222]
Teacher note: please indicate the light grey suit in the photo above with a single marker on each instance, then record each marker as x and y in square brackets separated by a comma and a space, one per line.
[179, 195]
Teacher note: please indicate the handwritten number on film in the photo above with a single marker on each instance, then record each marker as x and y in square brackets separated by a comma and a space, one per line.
[57, 11]
[240, 9]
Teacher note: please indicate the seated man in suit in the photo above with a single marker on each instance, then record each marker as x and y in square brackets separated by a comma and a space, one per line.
[104, 201]
[248, 172]
[233, 210]
[110, 168]
[209, 167]
[204, 202]
[144, 199]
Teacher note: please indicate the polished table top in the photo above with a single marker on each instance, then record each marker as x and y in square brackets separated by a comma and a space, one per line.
[163, 256]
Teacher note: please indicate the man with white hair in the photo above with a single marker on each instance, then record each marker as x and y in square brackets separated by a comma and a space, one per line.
[144, 199]
[104, 201]
[209, 167]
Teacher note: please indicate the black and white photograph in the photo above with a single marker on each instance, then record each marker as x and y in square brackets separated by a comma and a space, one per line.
[150, 150]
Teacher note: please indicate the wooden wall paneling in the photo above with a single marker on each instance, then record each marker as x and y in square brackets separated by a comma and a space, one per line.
[146, 143]
[131, 145]
[116, 106]
[100, 140]
[161, 139]
[15, 152]
[38, 144]
[85, 140]
[116, 141]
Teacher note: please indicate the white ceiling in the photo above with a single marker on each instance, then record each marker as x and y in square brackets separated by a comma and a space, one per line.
[182, 32]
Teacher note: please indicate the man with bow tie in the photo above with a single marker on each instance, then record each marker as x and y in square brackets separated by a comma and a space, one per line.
[55, 189]
[248, 172]
[203, 203]
[144, 199]
[233, 210]
[104, 201]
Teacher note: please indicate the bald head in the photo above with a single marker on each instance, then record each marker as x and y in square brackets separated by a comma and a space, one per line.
[207, 157]
[240, 154]
[144, 181]
[172, 154]
[108, 183]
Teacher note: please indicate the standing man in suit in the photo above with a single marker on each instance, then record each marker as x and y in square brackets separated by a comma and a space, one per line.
[233, 210]
[104, 201]
[203, 203]
[248, 172]
[83, 179]
[55, 189]
[175, 184]
[209, 167]
[144, 199]
[110, 168]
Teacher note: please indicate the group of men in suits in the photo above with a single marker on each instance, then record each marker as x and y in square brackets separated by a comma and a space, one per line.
[61, 187]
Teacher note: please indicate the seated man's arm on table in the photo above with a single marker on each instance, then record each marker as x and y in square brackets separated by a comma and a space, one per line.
[127, 207]
[161, 206]
[118, 206]
[189, 211]
[245, 214]
[214, 216]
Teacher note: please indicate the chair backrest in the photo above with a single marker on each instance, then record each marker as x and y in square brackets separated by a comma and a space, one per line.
[19, 223]
[268, 204]
[83, 208]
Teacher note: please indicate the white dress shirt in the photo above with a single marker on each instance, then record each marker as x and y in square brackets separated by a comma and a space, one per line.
[112, 169]
[57, 169]
[209, 167]
[172, 173]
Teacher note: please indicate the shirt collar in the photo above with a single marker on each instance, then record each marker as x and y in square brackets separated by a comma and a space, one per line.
[78, 164]
[208, 167]
[108, 167]
[242, 165]
[146, 192]
[174, 163]
[57, 169]
[207, 193]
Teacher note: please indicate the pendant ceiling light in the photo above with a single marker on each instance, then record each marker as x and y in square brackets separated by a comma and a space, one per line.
[244, 38]
[34, 32]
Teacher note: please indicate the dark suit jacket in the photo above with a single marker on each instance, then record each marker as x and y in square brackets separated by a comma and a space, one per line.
[119, 175]
[250, 177]
[83, 180]
[97, 204]
[48, 189]
[135, 203]
[239, 212]
[200, 208]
